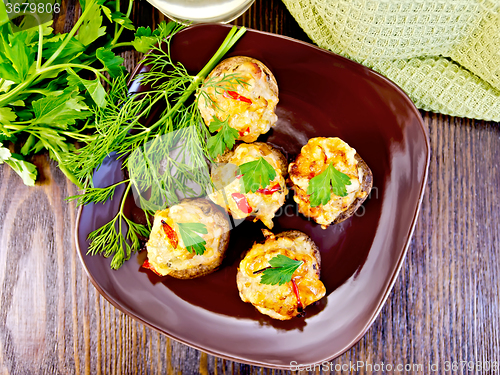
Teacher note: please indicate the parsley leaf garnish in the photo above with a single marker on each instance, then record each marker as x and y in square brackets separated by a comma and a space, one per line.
[321, 186]
[281, 270]
[192, 240]
[224, 139]
[256, 174]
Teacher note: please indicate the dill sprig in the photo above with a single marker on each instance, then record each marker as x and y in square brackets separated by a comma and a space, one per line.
[110, 239]
[96, 195]
[165, 160]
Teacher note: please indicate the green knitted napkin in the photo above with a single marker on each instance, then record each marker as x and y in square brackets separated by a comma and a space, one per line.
[444, 53]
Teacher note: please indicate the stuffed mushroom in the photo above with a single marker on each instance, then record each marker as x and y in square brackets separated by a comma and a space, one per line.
[281, 276]
[187, 240]
[330, 180]
[250, 182]
[243, 91]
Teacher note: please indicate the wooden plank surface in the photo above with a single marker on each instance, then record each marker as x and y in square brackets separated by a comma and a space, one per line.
[444, 306]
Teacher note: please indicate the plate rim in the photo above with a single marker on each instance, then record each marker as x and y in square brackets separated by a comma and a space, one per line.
[398, 264]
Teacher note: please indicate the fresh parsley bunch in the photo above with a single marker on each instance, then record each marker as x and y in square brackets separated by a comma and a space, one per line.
[49, 82]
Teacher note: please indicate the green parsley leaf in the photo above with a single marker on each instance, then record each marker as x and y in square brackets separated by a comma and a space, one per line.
[19, 53]
[191, 239]
[94, 87]
[74, 80]
[7, 115]
[28, 145]
[91, 28]
[122, 19]
[4, 17]
[111, 62]
[4, 154]
[330, 180]
[107, 12]
[60, 109]
[96, 91]
[143, 31]
[144, 39]
[73, 49]
[8, 73]
[224, 139]
[26, 170]
[256, 174]
[281, 270]
[32, 24]
[164, 29]
[18, 103]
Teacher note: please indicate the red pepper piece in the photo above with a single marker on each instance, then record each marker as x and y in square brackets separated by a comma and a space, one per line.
[269, 191]
[171, 235]
[242, 133]
[234, 95]
[148, 266]
[300, 307]
[242, 203]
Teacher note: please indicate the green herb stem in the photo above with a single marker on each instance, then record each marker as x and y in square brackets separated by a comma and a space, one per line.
[40, 44]
[96, 198]
[4, 99]
[125, 194]
[70, 35]
[123, 44]
[117, 6]
[233, 36]
[137, 118]
[97, 72]
[122, 205]
[119, 31]
[79, 136]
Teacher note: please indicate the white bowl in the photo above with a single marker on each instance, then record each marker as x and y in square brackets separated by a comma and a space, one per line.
[202, 11]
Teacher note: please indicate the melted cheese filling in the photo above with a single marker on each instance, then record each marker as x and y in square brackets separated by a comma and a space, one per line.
[313, 159]
[263, 206]
[280, 301]
[164, 257]
[250, 119]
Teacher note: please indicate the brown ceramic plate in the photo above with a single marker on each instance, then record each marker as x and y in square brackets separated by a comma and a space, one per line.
[321, 94]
